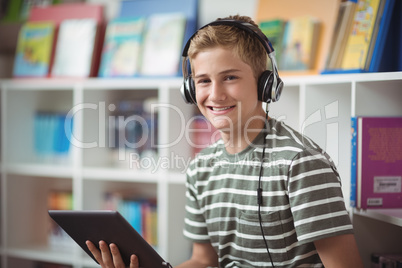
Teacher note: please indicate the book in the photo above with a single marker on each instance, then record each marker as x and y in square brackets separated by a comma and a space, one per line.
[358, 42]
[146, 8]
[52, 135]
[340, 34]
[34, 49]
[379, 162]
[27, 5]
[122, 47]
[389, 61]
[58, 239]
[382, 31]
[374, 35]
[141, 213]
[163, 41]
[61, 12]
[75, 48]
[386, 260]
[324, 11]
[390, 261]
[189, 8]
[353, 154]
[274, 30]
[300, 42]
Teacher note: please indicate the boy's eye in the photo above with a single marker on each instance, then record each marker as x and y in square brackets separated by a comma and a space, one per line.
[203, 81]
[230, 77]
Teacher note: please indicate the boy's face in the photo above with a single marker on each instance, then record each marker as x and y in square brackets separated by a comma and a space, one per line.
[226, 91]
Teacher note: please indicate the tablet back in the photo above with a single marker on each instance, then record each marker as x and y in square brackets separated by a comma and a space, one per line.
[111, 227]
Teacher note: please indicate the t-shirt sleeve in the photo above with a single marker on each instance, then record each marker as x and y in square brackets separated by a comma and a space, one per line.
[315, 197]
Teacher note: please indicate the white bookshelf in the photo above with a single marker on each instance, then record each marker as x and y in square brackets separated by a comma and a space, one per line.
[319, 106]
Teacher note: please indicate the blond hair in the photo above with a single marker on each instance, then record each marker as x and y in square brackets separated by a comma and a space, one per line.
[246, 46]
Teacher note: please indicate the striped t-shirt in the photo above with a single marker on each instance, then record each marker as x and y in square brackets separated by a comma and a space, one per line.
[302, 200]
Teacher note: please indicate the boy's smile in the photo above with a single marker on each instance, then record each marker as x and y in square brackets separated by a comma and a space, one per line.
[226, 92]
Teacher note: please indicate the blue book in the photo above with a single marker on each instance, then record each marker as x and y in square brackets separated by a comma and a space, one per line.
[146, 8]
[353, 169]
[135, 215]
[122, 47]
[383, 31]
[391, 59]
[62, 134]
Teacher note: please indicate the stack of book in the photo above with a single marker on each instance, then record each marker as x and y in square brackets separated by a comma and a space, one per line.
[52, 135]
[295, 41]
[74, 40]
[58, 239]
[386, 260]
[60, 41]
[140, 213]
[360, 35]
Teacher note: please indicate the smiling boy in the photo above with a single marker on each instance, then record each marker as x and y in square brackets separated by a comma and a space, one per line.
[263, 195]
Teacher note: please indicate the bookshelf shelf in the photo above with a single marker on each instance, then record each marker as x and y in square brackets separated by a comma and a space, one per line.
[318, 106]
[117, 174]
[41, 254]
[41, 170]
[392, 216]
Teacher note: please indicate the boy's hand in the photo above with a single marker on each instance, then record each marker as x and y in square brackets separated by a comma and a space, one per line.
[109, 256]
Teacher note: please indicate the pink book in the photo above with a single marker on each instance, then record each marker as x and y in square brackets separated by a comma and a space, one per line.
[379, 162]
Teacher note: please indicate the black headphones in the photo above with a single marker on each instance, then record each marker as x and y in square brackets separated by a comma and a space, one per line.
[270, 85]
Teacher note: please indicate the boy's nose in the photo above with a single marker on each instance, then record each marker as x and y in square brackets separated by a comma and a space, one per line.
[217, 93]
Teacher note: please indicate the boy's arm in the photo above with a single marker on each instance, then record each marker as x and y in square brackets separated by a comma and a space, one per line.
[339, 251]
[203, 256]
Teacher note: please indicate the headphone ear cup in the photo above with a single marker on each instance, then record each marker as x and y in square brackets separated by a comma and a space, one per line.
[188, 91]
[265, 86]
[191, 90]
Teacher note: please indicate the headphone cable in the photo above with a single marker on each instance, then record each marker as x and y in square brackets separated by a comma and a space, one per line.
[259, 190]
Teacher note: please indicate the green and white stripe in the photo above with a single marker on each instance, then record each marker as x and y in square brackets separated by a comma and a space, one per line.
[302, 200]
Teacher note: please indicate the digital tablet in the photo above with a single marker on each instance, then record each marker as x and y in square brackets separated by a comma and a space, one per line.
[111, 227]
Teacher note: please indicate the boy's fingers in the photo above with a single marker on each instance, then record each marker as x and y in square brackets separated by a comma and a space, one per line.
[95, 252]
[117, 260]
[106, 256]
[134, 261]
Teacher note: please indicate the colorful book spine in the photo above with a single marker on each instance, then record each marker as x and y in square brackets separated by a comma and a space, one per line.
[353, 169]
[58, 239]
[140, 213]
[52, 135]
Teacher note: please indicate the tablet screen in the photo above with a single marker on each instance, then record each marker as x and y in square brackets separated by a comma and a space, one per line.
[111, 227]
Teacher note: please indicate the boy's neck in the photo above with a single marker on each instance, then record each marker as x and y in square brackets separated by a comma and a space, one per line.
[237, 142]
